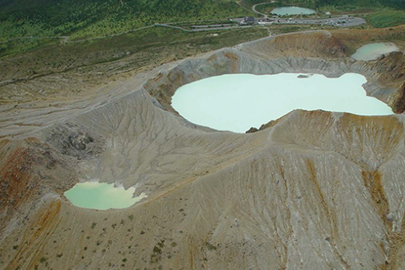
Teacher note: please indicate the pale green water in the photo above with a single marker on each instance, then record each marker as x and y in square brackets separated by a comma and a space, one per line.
[373, 51]
[282, 11]
[101, 196]
[237, 102]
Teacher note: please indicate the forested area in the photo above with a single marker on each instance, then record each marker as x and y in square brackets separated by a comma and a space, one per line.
[363, 3]
[80, 18]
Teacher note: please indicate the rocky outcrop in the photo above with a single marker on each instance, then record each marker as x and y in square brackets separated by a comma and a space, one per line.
[400, 101]
[312, 190]
[75, 140]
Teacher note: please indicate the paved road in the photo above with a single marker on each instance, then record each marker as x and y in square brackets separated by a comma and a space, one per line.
[201, 29]
[258, 12]
[340, 21]
[64, 38]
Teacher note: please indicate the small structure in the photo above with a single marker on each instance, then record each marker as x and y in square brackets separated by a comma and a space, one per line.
[248, 21]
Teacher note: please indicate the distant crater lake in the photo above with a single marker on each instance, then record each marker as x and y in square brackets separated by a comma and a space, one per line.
[283, 11]
[374, 50]
[237, 102]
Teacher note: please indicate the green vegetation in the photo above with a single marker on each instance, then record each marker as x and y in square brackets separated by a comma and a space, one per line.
[347, 9]
[78, 19]
[144, 48]
[210, 246]
[399, 4]
[27, 25]
[364, 3]
[386, 18]
[157, 252]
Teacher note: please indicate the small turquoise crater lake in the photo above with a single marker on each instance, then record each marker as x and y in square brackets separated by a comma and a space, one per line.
[283, 11]
[237, 102]
[373, 51]
[101, 196]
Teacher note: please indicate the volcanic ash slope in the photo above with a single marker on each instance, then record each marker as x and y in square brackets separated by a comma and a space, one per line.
[314, 190]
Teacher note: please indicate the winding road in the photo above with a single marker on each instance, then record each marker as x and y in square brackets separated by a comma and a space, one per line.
[259, 4]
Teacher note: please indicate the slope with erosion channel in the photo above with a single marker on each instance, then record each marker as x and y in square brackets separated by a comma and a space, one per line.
[314, 190]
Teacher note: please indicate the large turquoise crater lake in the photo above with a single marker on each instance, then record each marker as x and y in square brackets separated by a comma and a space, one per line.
[237, 102]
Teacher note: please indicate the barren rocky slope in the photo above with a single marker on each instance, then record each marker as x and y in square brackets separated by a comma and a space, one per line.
[313, 190]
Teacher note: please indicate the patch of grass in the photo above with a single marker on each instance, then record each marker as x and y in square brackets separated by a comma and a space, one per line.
[347, 9]
[386, 18]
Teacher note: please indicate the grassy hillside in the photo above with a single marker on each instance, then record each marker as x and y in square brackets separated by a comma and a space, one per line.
[75, 68]
[78, 18]
[387, 18]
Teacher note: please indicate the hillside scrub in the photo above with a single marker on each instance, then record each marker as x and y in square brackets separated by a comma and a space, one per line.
[103, 17]
[387, 18]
